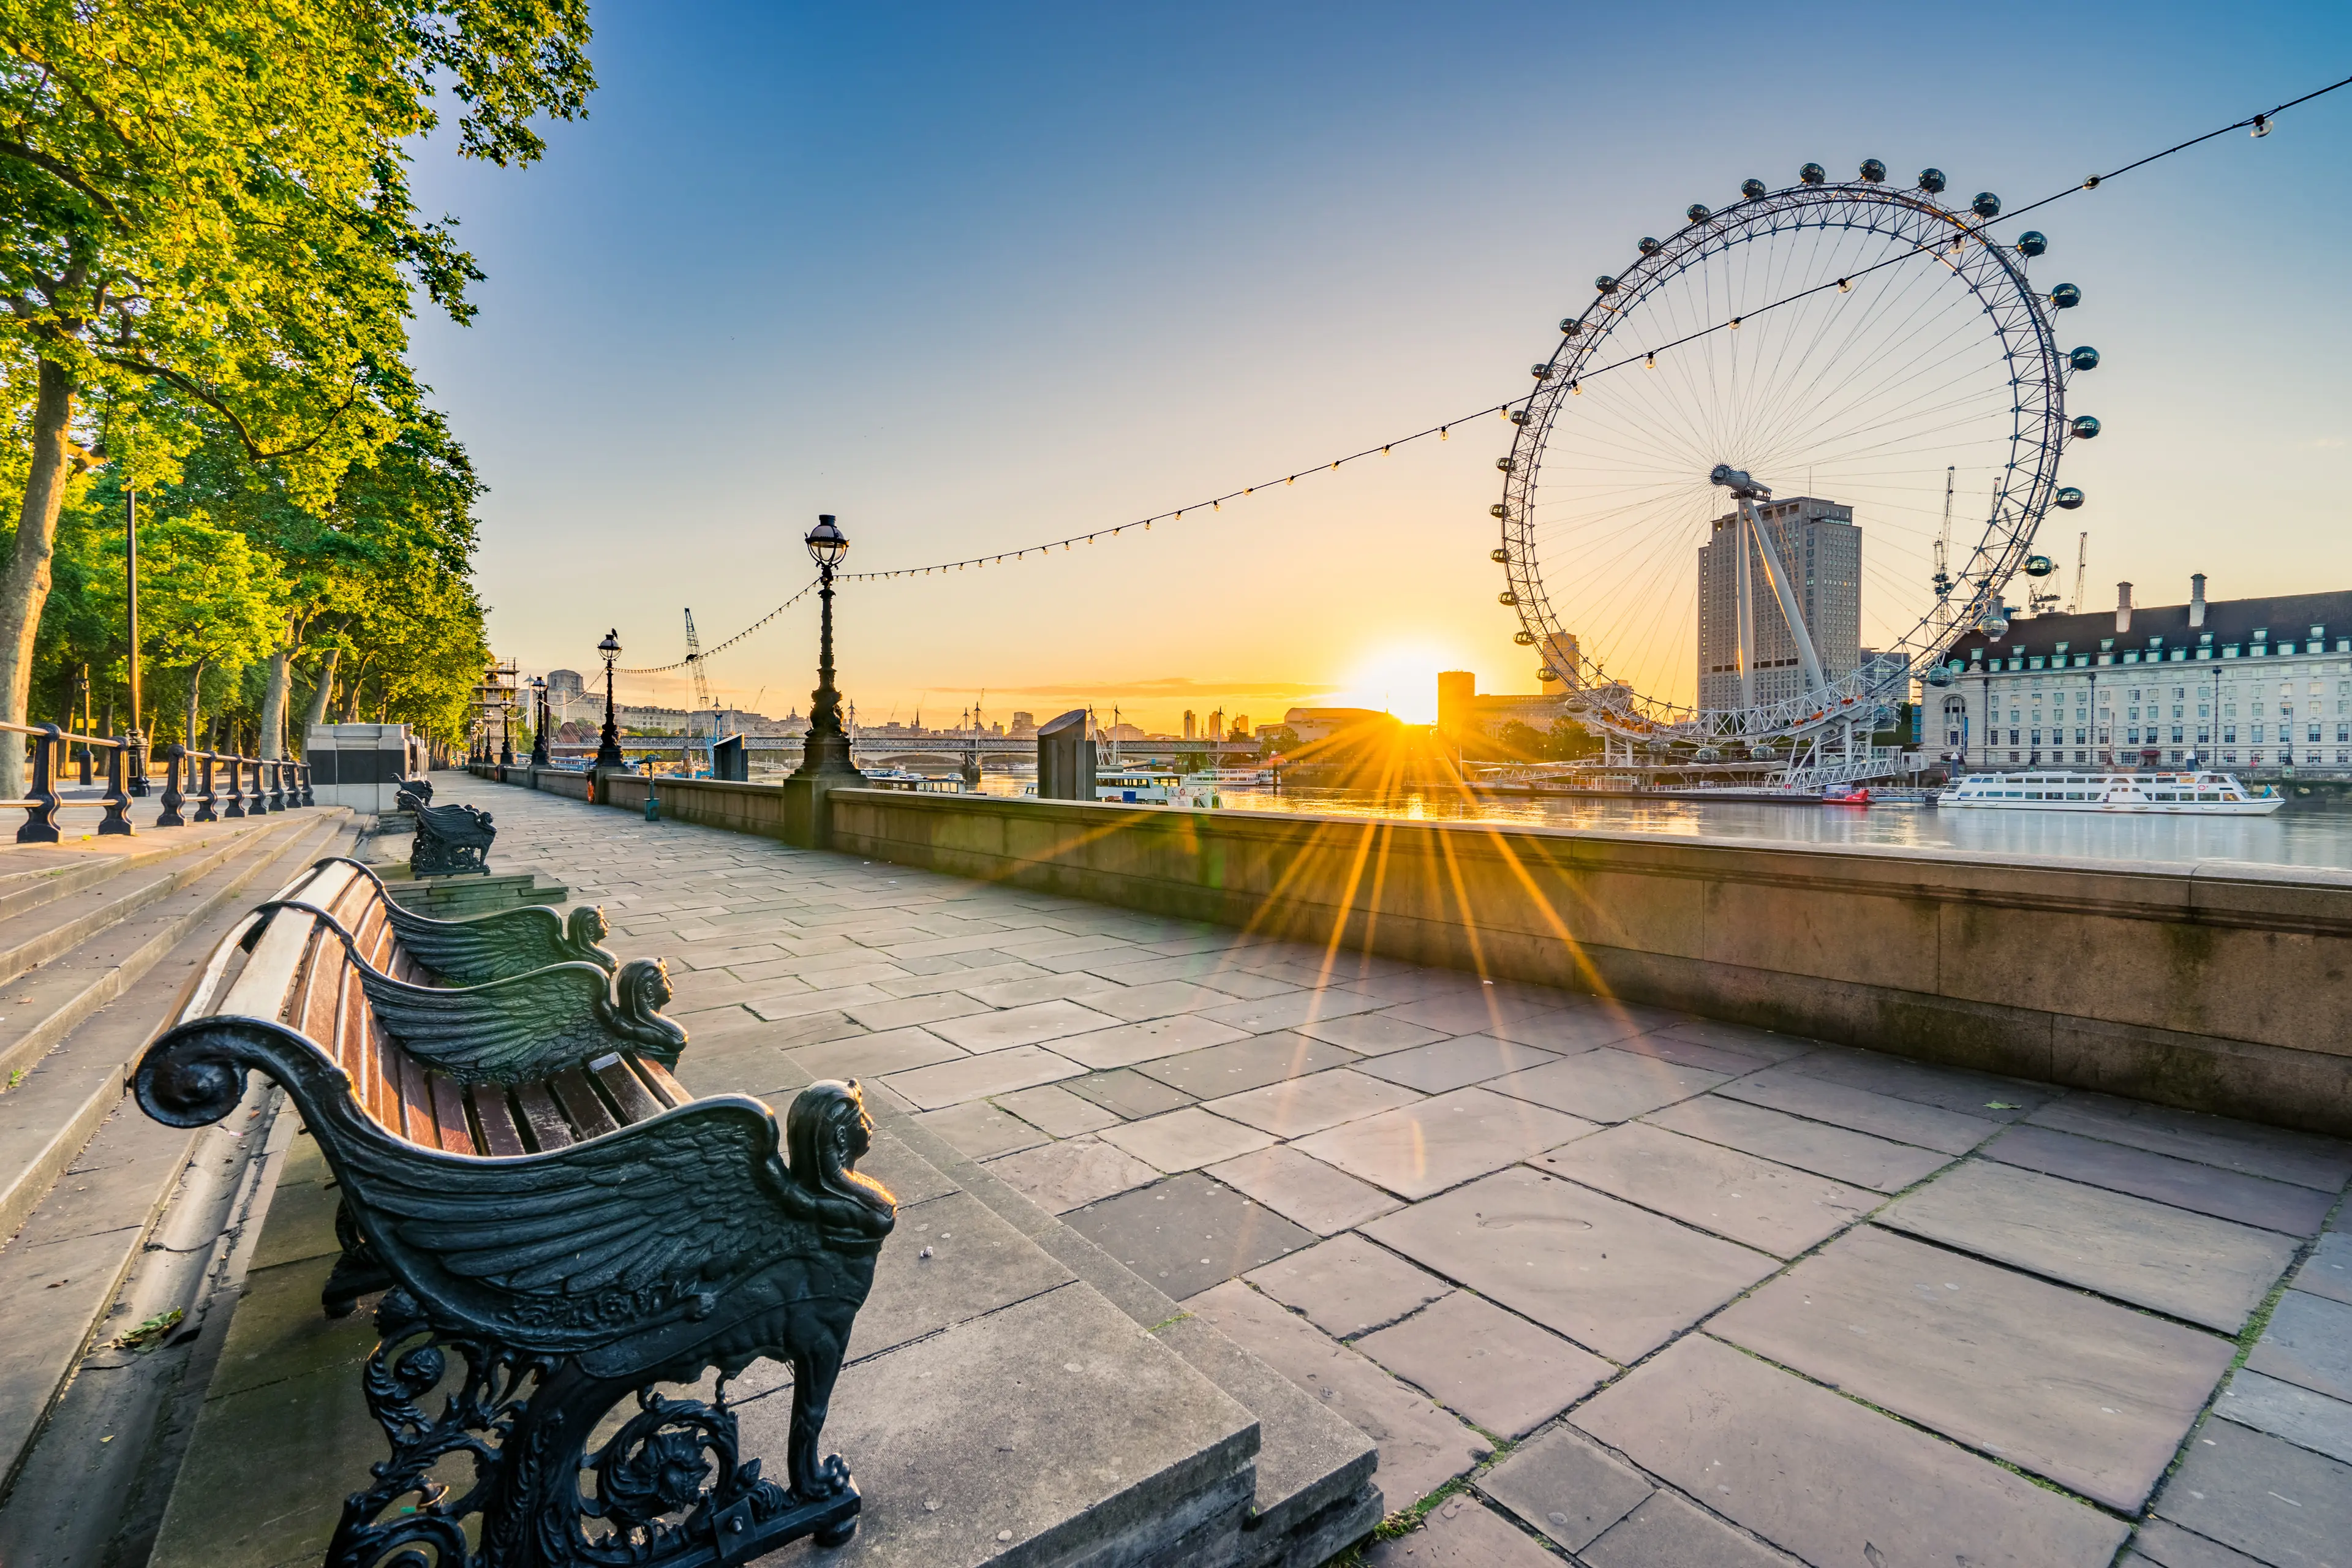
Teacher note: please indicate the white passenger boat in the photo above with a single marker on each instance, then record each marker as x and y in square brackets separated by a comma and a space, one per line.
[2175, 794]
[1138, 786]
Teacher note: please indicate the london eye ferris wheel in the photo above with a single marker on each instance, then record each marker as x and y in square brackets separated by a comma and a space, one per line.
[1784, 460]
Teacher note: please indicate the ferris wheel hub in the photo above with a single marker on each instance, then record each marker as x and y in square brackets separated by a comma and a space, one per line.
[1740, 483]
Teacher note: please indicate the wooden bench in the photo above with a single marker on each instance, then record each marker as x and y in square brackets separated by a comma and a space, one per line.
[535, 1192]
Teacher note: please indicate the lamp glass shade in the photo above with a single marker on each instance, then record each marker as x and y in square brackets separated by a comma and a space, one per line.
[826, 544]
[611, 646]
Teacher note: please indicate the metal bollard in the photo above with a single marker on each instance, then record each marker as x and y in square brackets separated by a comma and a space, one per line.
[173, 799]
[41, 816]
[236, 788]
[117, 820]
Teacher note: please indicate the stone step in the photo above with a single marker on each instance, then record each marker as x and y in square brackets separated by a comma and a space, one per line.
[32, 875]
[65, 1052]
[125, 882]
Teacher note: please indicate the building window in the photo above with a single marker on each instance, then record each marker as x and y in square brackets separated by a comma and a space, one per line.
[2314, 736]
[2176, 734]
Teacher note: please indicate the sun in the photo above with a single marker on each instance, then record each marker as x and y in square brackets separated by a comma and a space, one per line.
[1399, 678]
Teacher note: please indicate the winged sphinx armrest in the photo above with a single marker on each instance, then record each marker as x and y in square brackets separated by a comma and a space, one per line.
[494, 946]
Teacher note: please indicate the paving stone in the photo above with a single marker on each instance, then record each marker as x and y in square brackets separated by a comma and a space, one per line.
[1471, 1014]
[2303, 1158]
[1128, 1044]
[2307, 1341]
[1564, 1486]
[1304, 1191]
[1421, 1448]
[1577, 1027]
[1613, 1278]
[2162, 1542]
[833, 999]
[1765, 1044]
[1073, 1171]
[1460, 1534]
[1246, 985]
[2092, 1396]
[1346, 1286]
[1816, 1146]
[1046, 987]
[1960, 1089]
[1031, 1026]
[1127, 1093]
[2306, 1419]
[1424, 1148]
[1299, 1106]
[1186, 1140]
[1606, 1085]
[1051, 1109]
[1456, 1063]
[2328, 1270]
[1151, 968]
[1828, 1480]
[2183, 1184]
[1784, 1088]
[1669, 1532]
[979, 1264]
[1371, 1034]
[2207, 1270]
[962, 980]
[871, 1056]
[1137, 1003]
[1243, 1064]
[969, 1077]
[1186, 1233]
[2280, 1504]
[899, 1012]
[1291, 1010]
[981, 1131]
[1690, 1054]
[1730, 1193]
[1499, 1372]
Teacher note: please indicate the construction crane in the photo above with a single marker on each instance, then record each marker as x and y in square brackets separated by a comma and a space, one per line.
[2082, 561]
[1944, 541]
[693, 663]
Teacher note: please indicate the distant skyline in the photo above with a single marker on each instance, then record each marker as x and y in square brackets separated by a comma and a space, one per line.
[975, 278]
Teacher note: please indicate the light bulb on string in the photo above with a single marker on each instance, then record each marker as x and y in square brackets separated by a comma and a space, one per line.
[1442, 433]
[1654, 360]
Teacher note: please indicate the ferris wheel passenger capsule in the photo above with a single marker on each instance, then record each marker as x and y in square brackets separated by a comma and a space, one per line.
[1939, 676]
[1698, 212]
[2033, 242]
[1993, 623]
[1498, 509]
[2068, 498]
[1604, 284]
[1519, 415]
[1706, 754]
[1814, 174]
[2039, 566]
[2084, 426]
[1524, 638]
[1931, 181]
[1751, 189]
[1651, 245]
[1499, 557]
[2065, 297]
[1505, 464]
[1873, 170]
[2083, 358]
[1507, 598]
[1987, 205]
[1541, 369]
[1569, 326]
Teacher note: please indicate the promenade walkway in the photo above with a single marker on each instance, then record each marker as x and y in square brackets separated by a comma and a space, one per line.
[1607, 1281]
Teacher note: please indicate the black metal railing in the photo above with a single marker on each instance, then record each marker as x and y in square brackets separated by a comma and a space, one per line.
[278, 784]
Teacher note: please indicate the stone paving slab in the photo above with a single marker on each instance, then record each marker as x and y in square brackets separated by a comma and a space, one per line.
[1763, 1044]
[978, 1264]
[2092, 1396]
[1840, 1484]
[1877, 1164]
[1304, 1190]
[872, 1056]
[1371, 1034]
[1673, 1048]
[1291, 1010]
[1034, 1024]
[1055, 1109]
[2328, 1270]
[1167, 997]
[1499, 1371]
[1299, 1106]
[1049, 988]
[1186, 1233]
[1128, 1094]
[2207, 1270]
[2303, 1158]
[1421, 1448]
[1566, 1486]
[1460, 1534]
[1245, 1064]
[2167, 1545]
[2183, 1184]
[1771, 1207]
[1470, 1013]
[1105, 1049]
[1669, 1532]
[1186, 1140]
[2261, 1495]
[1613, 1278]
[1424, 1148]
[981, 1131]
[2306, 1419]
[2307, 1341]
[1346, 1286]
[971, 1077]
[1606, 1085]
[1454, 1064]
[1072, 1172]
[1580, 1025]
[1785, 1089]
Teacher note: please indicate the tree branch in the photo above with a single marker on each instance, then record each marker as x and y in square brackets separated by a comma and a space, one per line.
[244, 435]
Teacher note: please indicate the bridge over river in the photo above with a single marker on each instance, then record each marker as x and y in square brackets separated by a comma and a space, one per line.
[941, 750]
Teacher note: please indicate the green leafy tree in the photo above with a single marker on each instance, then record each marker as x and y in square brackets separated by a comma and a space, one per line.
[206, 599]
[205, 222]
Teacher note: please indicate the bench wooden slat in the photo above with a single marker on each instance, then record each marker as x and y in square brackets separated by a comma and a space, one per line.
[450, 1115]
[415, 1123]
[322, 987]
[635, 1101]
[499, 1134]
[580, 1103]
[659, 1077]
[548, 1128]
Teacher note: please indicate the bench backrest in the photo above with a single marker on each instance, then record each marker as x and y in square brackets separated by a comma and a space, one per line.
[298, 972]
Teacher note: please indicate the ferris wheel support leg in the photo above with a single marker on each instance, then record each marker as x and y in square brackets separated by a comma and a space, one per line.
[1785, 591]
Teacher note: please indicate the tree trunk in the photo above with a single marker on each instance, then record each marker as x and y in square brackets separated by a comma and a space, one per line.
[322, 694]
[195, 703]
[272, 739]
[24, 585]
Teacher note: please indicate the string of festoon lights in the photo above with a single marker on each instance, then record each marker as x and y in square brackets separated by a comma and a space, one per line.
[1963, 231]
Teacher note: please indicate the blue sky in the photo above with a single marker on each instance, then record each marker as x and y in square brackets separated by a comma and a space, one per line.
[972, 277]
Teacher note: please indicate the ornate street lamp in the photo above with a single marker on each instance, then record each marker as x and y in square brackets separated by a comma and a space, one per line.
[608, 744]
[505, 720]
[538, 758]
[826, 750]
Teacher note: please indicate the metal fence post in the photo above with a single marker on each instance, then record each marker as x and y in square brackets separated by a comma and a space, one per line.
[236, 788]
[117, 821]
[173, 799]
[205, 812]
[277, 786]
[41, 816]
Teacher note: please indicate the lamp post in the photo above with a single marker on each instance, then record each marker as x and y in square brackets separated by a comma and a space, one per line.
[539, 721]
[506, 720]
[825, 752]
[608, 744]
[138, 758]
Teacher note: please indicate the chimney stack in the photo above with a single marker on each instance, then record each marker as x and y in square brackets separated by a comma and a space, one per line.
[2123, 606]
[2196, 599]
